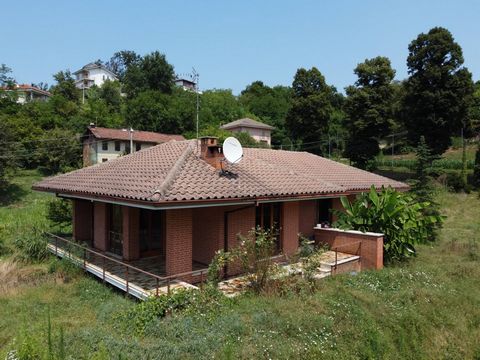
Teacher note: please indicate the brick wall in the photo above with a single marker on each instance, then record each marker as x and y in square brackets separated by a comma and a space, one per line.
[239, 222]
[131, 240]
[82, 221]
[307, 217]
[178, 235]
[100, 226]
[290, 227]
[370, 251]
[208, 233]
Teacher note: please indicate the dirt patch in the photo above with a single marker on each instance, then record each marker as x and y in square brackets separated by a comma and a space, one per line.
[13, 276]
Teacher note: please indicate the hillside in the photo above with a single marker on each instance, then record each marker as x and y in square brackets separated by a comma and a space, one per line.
[426, 308]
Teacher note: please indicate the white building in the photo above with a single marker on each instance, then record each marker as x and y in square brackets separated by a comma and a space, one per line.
[93, 74]
[259, 131]
[104, 144]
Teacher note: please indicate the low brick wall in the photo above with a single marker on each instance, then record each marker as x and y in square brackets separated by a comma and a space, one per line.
[371, 248]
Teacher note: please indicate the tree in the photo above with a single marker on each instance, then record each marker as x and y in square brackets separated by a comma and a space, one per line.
[423, 188]
[152, 72]
[121, 61]
[58, 151]
[438, 91]
[270, 105]
[311, 107]
[5, 79]
[7, 152]
[65, 86]
[369, 109]
[219, 106]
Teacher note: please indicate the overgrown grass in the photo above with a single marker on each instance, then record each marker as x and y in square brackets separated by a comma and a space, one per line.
[426, 308]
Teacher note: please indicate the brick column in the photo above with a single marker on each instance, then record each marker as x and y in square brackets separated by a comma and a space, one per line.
[290, 229]
[131, 240]
[100, 236]
[239, 222]
[82, 221]
[178, 256]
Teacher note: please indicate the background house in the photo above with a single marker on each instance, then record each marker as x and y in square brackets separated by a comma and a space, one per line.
[27, 93]
[185, 84]
[259, 131]
[103, 144]
[93, 74]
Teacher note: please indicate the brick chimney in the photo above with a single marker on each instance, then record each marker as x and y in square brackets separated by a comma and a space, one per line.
[211, 152]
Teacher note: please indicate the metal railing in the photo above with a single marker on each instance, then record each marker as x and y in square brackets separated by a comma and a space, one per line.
[83, 254]
[358, 252]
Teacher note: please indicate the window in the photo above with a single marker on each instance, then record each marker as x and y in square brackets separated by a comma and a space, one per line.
[117, 145]
[104, 160]
[268, 217]
[323, 211]
[127, 148]
[152, 232]
[138, 146]
[105, 145]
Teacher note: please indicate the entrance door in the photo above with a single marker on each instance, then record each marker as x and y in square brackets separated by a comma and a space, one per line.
[116, 230]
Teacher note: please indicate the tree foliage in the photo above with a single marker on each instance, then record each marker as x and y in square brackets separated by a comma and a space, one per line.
[369, 107]
[311, 107]
[438, 91]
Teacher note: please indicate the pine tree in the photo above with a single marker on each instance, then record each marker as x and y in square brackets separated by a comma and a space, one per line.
[422, 187]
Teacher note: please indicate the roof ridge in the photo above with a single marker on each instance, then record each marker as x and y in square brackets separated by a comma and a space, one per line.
[172, 173]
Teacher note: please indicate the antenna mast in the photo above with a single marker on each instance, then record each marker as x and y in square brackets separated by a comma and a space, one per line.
[195, 78]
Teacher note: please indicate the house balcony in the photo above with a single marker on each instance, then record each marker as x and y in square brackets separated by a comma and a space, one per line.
[140, 278]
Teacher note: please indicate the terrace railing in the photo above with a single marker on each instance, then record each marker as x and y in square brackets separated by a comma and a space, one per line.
[85, 256]
[358, 251]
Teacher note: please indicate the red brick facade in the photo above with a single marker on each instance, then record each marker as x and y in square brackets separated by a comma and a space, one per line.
[178, 235]
[82, 221]
[194, 235]
[370, 250]
[290, 226]
[131, 226]
[307, 217]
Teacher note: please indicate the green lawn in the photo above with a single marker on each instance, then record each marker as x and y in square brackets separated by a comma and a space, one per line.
[426, 308]
[450, 154]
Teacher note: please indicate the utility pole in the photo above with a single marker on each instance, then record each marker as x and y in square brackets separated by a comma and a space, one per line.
[195, 78]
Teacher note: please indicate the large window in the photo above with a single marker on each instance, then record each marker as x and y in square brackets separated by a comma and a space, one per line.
[104, 145]
[152, 232]
[117, 145]
[268, 217]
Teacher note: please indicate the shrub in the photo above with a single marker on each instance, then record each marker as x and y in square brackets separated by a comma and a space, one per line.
[397, 215]
[32, 246]
[455, 182]
[476, 168]
[253, 254]
[59, 212]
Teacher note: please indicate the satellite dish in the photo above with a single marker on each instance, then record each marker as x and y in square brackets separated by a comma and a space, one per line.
[232, 150]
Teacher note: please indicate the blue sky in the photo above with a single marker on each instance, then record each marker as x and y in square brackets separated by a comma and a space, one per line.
[230, 43]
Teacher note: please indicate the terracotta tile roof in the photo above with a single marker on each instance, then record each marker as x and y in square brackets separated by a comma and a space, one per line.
[141, 136]
[172, 172]
[246, 122]
[26, 87]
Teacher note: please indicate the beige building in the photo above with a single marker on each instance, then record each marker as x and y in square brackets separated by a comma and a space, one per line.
[103, 144]
[259, 131]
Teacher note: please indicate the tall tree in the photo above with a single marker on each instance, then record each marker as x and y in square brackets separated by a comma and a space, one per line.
[5, 78]
[121, 61]
[438, 91]
[65, 86]
[369, 107]
[270, 105]
[152, 72]
[311, 107]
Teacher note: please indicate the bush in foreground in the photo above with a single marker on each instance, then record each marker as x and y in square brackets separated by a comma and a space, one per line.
[397, 215]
